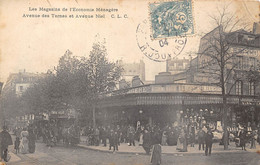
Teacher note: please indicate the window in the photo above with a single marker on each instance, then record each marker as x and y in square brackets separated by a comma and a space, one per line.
[252, 62]
[239, 88]
[20, 88]
[180, 64]
[240, 38]
[239, 62]
[246, 63]
[251, 88]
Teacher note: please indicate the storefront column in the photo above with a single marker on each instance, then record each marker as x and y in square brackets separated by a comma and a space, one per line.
[150, 121]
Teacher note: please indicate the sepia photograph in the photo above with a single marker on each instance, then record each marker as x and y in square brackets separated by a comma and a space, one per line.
[130, 82]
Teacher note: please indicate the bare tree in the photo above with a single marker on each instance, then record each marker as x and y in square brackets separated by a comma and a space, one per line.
[217, 57]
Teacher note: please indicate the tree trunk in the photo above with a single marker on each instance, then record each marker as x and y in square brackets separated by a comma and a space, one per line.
[225, 140]
[94, 116]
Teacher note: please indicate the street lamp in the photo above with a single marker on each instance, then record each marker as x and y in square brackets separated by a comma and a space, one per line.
[181, 113]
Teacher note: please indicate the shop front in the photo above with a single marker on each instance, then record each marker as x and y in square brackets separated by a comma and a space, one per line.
[171, 107]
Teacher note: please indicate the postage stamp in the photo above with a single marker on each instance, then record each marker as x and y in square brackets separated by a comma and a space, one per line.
[158, 50]
[171, 19]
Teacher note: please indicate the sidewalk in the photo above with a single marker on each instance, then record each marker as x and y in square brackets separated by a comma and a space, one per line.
[124, 148]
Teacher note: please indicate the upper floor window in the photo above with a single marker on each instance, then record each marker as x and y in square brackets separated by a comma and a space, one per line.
[252, 62]
[239, 88]
[240, 38]
[251, 88]
[20, 88]
[239, 62]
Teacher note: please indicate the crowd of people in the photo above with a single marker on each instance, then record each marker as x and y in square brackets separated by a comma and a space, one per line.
[51, 133]
[25, 140]
[147, 136]
[180, 136]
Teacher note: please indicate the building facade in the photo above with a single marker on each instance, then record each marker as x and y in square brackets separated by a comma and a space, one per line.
[133, 69]
[243, 62]
[194, 92]
[176, 65]
[17, 83]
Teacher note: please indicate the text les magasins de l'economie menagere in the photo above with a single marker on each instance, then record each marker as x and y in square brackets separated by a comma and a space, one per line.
[74, 12]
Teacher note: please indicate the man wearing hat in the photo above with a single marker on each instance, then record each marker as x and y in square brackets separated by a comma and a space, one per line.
[6, 140]
[208, 140]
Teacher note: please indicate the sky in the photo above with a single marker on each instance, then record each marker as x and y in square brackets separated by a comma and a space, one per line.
[36, 44]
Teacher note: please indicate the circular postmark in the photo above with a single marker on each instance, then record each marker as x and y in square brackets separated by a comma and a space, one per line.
[158, 50]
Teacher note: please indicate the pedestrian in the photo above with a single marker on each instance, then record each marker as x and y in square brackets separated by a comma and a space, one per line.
[147, 141]
[31, 141]
[242, 137]
[113, 140]
[253, 139]
[156, 156]
[192, 135]
[258, 135]
[17, 144]
[138, 133]
[164, 138]
[116, 140]
[201, 138]
[124, 135]
[96, 136]
[73, 135]
[131, 135]
[208, 141]
[183, 140]
[170, 138]
[119, 132]
[103, 136]
[141, 139]
[24, 141]
[5, 140]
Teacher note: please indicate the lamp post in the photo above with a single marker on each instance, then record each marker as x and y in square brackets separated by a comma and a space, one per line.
[141, 115]
[181, 112]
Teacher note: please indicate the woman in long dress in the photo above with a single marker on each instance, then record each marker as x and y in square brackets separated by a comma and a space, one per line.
[183, 140]
[24, 141]
[156, 156]
[31, 141]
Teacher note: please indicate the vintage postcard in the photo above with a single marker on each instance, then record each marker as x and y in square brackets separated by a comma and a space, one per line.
[127, 82]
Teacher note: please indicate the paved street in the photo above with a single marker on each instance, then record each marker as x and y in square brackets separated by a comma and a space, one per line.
[62, 155]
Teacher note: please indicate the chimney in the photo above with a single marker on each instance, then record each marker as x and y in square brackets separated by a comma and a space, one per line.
[136, 81]
[123, 84]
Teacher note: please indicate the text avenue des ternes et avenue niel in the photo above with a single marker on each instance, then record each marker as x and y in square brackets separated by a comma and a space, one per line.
[79, 13]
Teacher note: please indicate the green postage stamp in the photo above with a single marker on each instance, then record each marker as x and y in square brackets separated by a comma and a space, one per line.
[171, 19]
